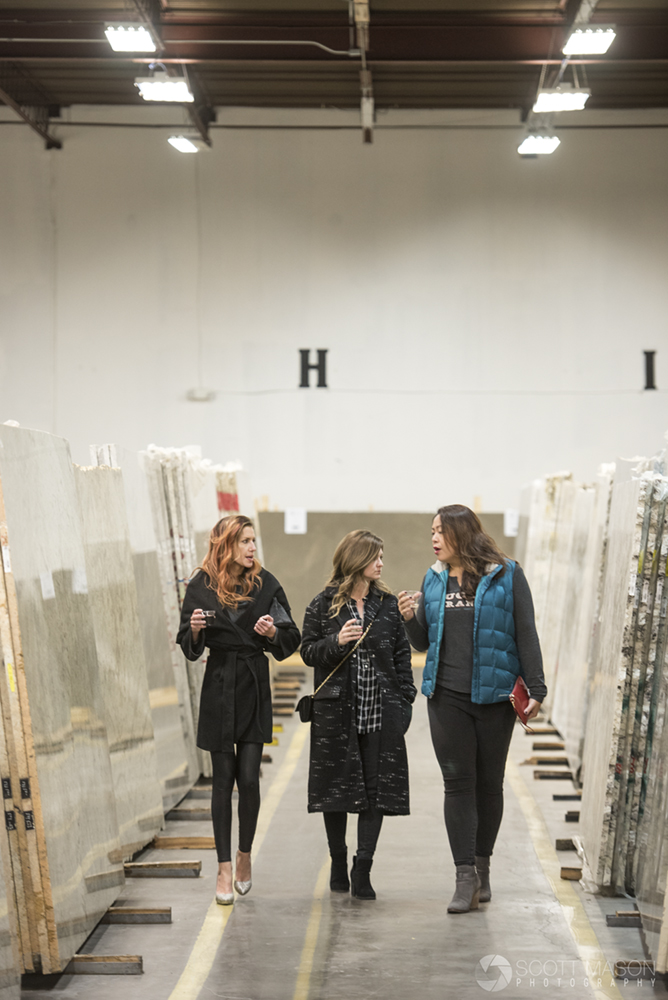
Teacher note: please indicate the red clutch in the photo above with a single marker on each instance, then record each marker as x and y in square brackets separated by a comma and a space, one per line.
[519, 698]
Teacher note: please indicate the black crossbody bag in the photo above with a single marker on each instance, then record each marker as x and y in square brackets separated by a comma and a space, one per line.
[305, 704]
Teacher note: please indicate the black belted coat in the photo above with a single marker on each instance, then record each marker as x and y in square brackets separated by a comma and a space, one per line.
[235, 702]
[336, 780]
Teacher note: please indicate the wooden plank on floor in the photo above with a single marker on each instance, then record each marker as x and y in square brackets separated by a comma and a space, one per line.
[571, 873]
[572, 816]
[105, 965]
[564, 844]
[192, 813]
[137, 915]
[544, 732]
[629, 919]
[163, 869]
[572, 797]
[636, 969]
[553, 775]
[548, 746]
[183, 844]
[547, 761]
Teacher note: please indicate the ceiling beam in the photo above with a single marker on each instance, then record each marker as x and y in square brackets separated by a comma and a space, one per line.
[20, 93]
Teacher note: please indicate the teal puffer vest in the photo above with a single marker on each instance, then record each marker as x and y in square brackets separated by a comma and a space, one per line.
[496, 664]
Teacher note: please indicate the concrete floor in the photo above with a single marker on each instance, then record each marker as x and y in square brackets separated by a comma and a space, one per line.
[290, 939]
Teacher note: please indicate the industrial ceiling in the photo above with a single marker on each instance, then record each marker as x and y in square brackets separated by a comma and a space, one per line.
[325, 53]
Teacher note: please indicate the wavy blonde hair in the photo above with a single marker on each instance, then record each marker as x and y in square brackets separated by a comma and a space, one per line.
[219, 562]
[352, 556]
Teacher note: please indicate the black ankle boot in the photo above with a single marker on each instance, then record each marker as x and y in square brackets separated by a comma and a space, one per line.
[338, 879]
[359, 877]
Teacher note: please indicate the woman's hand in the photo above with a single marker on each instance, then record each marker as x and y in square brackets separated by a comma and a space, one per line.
[197, 622]
[532, 709]
[265, 626]
[407, 604]
[350, 632]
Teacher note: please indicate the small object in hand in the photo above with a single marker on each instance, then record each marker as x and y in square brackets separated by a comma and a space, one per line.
[209, 614]
[415, 597]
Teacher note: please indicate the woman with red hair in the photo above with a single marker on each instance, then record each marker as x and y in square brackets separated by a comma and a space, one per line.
[240, 612]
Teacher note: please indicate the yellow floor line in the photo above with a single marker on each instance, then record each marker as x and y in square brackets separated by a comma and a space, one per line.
[311, 939]
[205, 948]
[594, 961]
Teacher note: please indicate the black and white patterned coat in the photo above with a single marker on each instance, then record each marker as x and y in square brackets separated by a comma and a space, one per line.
[336, 781]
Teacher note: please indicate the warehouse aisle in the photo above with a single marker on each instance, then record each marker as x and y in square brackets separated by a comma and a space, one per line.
[290, 939]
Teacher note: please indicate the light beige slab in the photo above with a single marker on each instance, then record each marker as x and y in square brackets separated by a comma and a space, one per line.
[127, 708]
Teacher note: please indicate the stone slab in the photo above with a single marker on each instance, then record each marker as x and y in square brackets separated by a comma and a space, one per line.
[127, 709]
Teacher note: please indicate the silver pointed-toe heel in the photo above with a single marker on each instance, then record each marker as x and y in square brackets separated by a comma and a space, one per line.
[243, 888]
[224, 898]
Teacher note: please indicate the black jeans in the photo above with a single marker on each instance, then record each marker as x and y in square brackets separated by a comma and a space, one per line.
[471, 743]
[244, 768]
[370, 821]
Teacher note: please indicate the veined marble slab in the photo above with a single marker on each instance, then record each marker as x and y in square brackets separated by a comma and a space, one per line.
[168, 474]
[170, 713]
[561, 543]
[637, 750]
[127, 710]
[606, 719]
[58, 680]
[570, 680]
[650, 873]
[541, 540]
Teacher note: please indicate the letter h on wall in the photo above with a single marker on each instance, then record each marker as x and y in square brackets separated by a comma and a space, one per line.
[306, 367]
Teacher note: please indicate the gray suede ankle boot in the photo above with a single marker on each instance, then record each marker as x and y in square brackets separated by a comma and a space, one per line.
[482, 868]
[467, 891]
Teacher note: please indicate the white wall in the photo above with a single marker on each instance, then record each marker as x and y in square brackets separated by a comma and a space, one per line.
[485, 316]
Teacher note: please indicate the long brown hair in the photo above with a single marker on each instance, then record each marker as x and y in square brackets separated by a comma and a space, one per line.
[352, 556]
[219, 561]
[465, 534]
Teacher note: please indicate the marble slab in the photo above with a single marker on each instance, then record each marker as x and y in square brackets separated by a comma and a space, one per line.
[543, 513]
[650, 873]
[169, 487]
[631, 750]
[113, 602]
[577, 611]
[608, 703]
[58, 682]
[176, 761]
[556, 585]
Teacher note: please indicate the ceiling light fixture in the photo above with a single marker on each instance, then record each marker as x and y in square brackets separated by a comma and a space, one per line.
[182, 143]
[128, 37]
[538, 145]
[590, 41]
[563, 98]
[161, 87]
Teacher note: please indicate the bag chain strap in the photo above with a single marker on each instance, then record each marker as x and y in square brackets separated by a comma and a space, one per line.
[346, 657]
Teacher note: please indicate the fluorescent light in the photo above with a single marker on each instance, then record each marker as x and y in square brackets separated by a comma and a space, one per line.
[161, 87]
[561, 99]
[589, 41]
[538, 145]
[128, 37]
[183, 144]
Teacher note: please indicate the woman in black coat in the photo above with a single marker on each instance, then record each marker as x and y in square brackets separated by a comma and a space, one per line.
[358, 757]
[239, 611]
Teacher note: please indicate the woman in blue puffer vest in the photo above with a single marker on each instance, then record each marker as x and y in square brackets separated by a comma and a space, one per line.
[475, 618]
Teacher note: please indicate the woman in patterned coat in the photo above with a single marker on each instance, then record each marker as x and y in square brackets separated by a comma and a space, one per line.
[358, 759]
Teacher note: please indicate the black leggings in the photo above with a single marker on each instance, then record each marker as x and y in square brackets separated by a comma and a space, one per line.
[471, 743]
[370, 821]
[244, 768]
